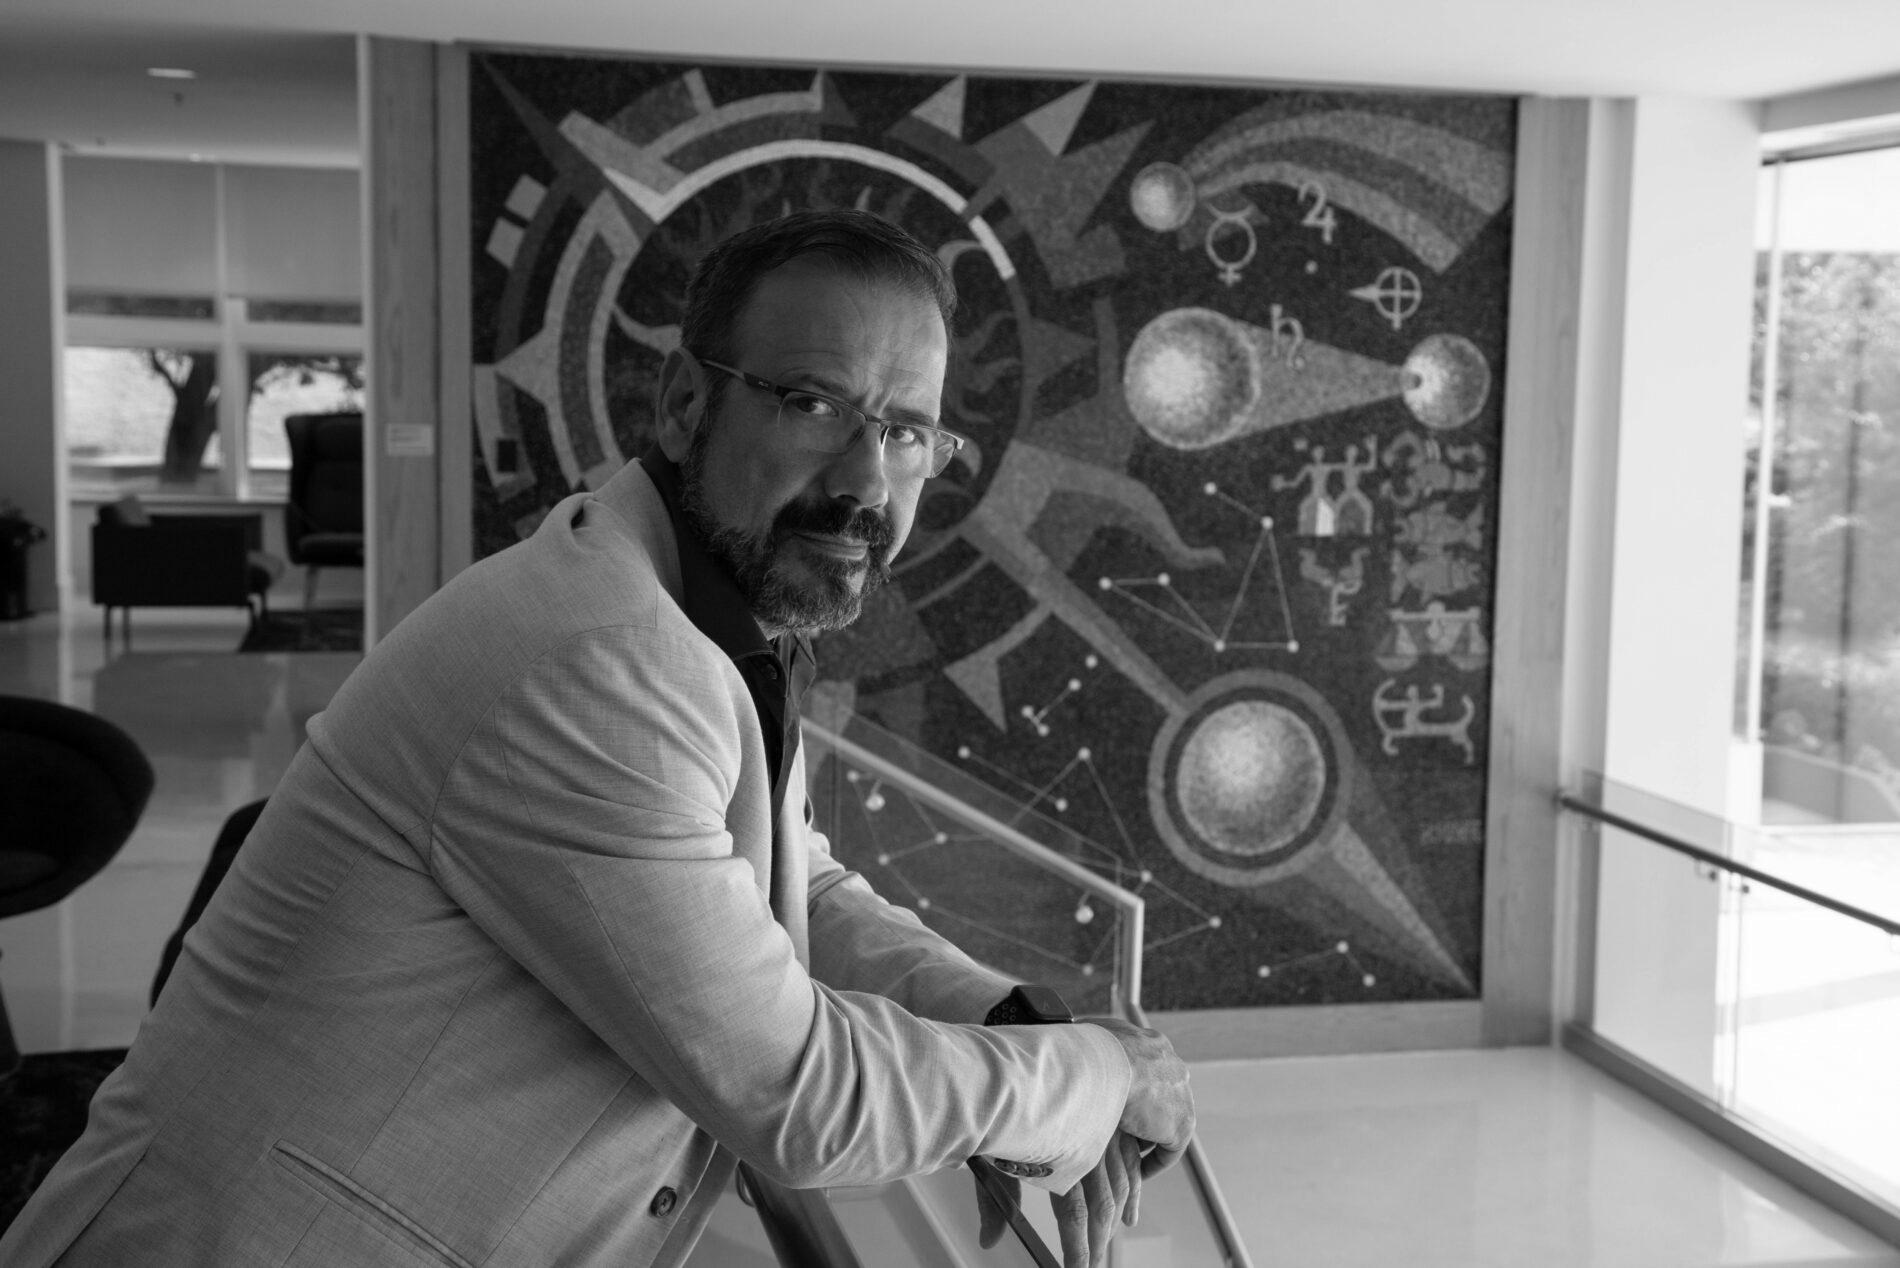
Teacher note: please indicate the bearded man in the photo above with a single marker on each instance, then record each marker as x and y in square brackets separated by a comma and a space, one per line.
[535, 942]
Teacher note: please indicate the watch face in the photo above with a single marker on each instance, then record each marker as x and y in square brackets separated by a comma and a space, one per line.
[1042, 1004]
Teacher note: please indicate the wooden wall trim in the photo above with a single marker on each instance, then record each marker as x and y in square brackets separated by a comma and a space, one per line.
[397, 84]
[1540, 422]
[456, 450]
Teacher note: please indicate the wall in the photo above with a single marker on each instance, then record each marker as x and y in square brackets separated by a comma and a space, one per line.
[32, 475]
[1674, 571]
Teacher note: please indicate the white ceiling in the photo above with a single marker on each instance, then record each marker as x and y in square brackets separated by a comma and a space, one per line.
[277, 77]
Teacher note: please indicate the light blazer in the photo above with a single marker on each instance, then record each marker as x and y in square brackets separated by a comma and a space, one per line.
[510, 953]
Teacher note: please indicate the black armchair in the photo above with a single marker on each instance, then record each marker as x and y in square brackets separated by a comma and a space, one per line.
[162, 561]
[323, 524]
[72, 788]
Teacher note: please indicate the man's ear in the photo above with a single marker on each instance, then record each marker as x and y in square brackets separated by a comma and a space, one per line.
[682, 405]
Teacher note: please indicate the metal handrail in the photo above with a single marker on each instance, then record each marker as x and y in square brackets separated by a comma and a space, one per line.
[1590, 810]
[799, 1224]
[1220, 1217]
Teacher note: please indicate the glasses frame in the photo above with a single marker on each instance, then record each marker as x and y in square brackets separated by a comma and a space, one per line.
[845, 408]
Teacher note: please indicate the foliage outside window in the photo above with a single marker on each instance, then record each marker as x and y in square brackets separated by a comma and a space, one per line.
[1826, 392]
[286, 383]
[142, 416]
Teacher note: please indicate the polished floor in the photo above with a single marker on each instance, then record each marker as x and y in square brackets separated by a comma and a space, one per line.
[1520, 1158]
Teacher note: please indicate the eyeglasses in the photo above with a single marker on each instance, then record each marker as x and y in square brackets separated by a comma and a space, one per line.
[825, 424]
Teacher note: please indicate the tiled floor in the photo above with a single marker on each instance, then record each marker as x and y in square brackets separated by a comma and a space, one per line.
[1523, 1158]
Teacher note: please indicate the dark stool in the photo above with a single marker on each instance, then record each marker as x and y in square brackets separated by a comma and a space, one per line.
[72, 788]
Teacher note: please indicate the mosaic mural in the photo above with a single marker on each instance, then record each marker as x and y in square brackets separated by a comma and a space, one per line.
[1212, 586]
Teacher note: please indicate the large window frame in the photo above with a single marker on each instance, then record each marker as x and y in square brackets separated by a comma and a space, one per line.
[1655, 967]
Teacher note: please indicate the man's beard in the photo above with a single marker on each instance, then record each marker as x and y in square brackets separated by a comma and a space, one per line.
[823, 597]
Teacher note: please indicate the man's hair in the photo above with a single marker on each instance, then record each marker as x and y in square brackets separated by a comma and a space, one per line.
[854, 243]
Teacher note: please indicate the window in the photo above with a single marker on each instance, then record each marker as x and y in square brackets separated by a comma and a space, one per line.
[1820, 675]
[141, 418]
[205, 302]
[157, 404]
[286, 383]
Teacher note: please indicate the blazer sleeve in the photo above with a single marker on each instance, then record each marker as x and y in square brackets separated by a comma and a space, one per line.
[584, 826]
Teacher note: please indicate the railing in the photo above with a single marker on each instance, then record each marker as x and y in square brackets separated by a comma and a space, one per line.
[878, 766]
[1761, 1007]
[889, 771]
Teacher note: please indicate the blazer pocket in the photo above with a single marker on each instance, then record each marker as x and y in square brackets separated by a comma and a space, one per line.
[353, 1197]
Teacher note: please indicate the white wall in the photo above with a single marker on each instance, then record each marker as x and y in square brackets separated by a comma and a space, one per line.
[1672, 584]
[32, 467]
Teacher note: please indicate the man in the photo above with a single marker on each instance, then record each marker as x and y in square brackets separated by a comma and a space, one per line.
[534, 938]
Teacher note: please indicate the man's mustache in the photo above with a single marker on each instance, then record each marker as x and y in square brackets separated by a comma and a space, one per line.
[836, 519]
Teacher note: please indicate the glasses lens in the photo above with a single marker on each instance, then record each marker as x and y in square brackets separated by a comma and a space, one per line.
[819, 424]
[823, 426]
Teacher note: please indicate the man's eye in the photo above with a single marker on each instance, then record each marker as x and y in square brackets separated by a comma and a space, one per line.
[906, 437]
[806, 406]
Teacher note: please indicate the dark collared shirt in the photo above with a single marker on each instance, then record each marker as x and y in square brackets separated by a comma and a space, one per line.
[776, 671]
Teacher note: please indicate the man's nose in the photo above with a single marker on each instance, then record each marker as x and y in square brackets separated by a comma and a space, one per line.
[858, 473]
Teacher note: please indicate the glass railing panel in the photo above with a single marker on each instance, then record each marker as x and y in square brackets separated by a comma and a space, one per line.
[1817, 1034]
[1659, 961]
[1015, 889]
[1757, 967]
[1030, 896]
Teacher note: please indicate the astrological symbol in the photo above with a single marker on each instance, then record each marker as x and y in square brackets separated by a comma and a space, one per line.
[1433, 525]
[1340, 584]
[1434, 630]
[1396, 293]
[1402, 717]
[1288, 333]
[1431, 468]
[1320, 215]
[1434, 571]
[1230, 269]
[1323, 513]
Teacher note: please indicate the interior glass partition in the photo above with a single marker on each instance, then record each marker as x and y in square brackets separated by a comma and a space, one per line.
[1774, 1020]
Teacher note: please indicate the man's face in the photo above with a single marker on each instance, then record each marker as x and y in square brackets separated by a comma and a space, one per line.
[808, 534]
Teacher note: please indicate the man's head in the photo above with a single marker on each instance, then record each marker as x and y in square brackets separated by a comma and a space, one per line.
[846, 306]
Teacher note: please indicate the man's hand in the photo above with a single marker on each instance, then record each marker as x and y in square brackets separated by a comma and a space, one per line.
[1157, 1123]
[1086, 1214]
[1159, 1112]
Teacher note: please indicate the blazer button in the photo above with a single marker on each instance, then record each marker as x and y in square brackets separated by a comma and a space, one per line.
[663, 1202]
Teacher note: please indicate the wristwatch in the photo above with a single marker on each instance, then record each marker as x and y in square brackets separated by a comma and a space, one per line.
[1029, 1005]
